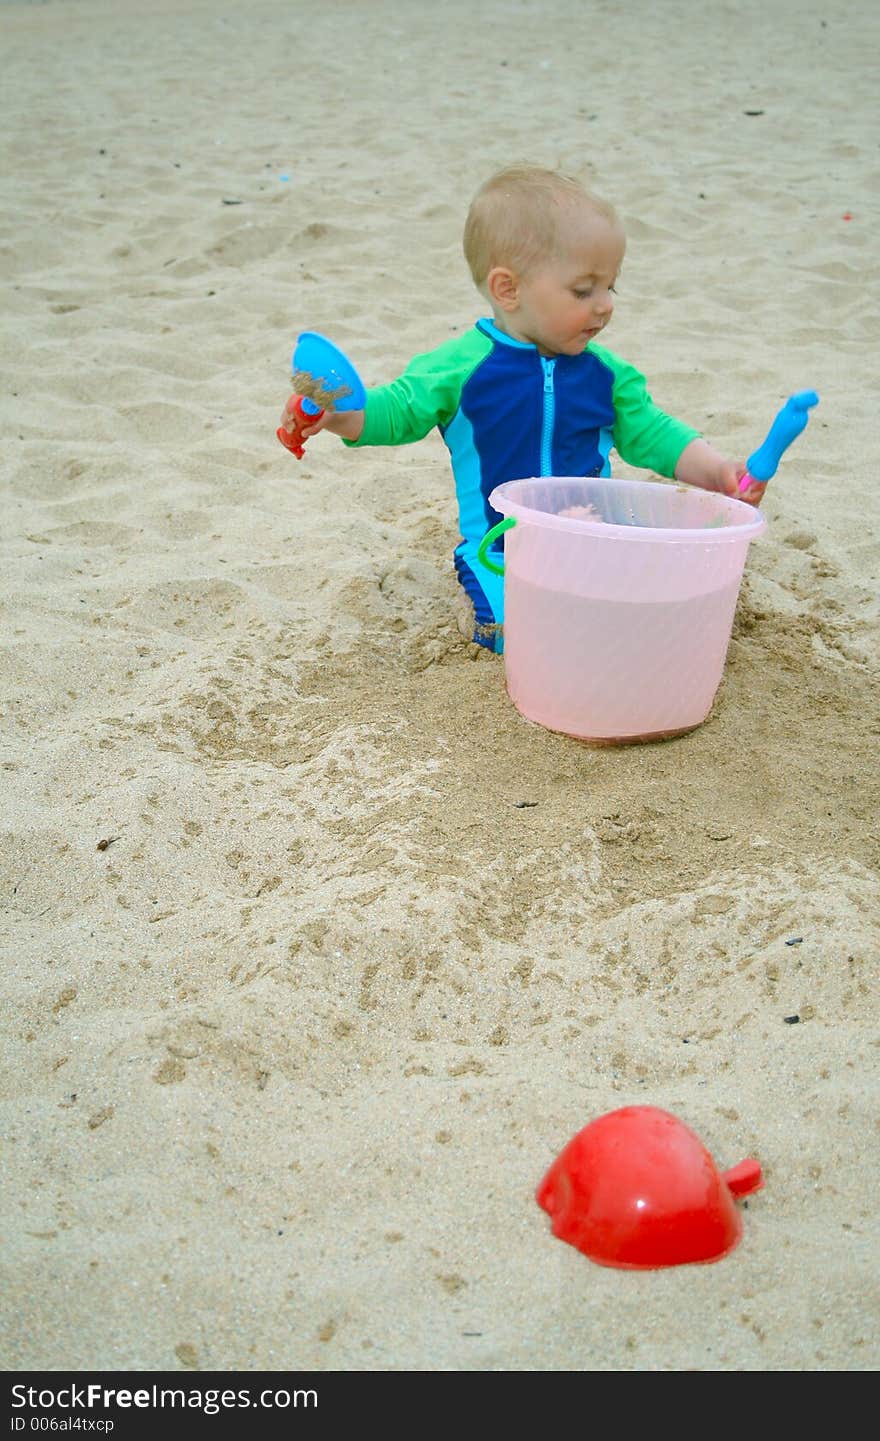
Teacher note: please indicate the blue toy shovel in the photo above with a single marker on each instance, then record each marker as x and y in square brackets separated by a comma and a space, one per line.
[791, 420]
[325, 379]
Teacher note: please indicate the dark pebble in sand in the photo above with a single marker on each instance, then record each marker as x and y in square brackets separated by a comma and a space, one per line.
[791, 1020]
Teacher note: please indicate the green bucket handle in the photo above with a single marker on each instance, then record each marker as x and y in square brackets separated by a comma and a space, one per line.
[487, 540]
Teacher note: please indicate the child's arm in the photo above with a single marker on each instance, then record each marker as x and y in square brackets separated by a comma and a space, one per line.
[399, 413]
[425, 395]
[646, 436]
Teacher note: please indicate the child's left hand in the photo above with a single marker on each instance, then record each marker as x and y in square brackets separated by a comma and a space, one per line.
[730, 473]
[700, 464]
[753, 494]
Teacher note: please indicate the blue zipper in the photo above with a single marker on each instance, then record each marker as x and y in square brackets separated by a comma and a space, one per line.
[548, 417]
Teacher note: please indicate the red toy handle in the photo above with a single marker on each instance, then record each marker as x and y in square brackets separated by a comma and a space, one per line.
[745, 1178]
[293, 420]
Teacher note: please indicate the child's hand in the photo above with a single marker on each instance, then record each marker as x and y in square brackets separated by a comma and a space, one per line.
[730, 473]
[700, 464]
[347, 423]
[297, 425]
[754, 494]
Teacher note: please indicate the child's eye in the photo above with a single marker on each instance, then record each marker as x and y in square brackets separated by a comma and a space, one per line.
[585, 294]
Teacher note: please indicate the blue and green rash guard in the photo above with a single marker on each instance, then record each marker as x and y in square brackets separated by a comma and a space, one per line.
[506, 412]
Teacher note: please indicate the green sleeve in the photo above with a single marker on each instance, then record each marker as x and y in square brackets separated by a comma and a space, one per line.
[426, 394]
[644, 435]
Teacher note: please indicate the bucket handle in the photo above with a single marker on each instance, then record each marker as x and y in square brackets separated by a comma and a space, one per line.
[487, 540]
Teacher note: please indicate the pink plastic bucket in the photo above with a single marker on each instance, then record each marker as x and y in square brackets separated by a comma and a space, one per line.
[617, 621]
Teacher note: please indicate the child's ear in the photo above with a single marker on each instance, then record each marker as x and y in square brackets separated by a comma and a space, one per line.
[503, 287]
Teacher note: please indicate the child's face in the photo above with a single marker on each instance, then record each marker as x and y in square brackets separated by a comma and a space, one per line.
[564, 303]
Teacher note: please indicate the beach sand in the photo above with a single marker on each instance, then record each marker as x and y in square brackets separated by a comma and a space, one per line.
[316, 953]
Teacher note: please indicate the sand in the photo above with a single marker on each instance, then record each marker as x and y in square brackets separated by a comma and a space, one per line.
[315, 952]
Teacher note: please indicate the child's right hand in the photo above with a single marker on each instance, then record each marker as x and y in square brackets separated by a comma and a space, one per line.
[297, 425]
[346, 423]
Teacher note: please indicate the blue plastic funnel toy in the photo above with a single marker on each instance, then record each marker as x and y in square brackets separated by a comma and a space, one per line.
[324, 379]
[790, 421]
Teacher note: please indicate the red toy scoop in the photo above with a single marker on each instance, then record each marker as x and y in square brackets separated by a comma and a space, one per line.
[637, 1189]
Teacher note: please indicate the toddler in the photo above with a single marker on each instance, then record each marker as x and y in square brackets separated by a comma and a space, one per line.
[529, 391]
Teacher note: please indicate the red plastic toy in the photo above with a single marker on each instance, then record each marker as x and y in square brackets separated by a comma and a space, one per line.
[637, 1189]
[330, 376]
[293, 418]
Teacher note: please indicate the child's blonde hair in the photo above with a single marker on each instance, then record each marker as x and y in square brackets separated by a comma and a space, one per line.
[516, 218]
